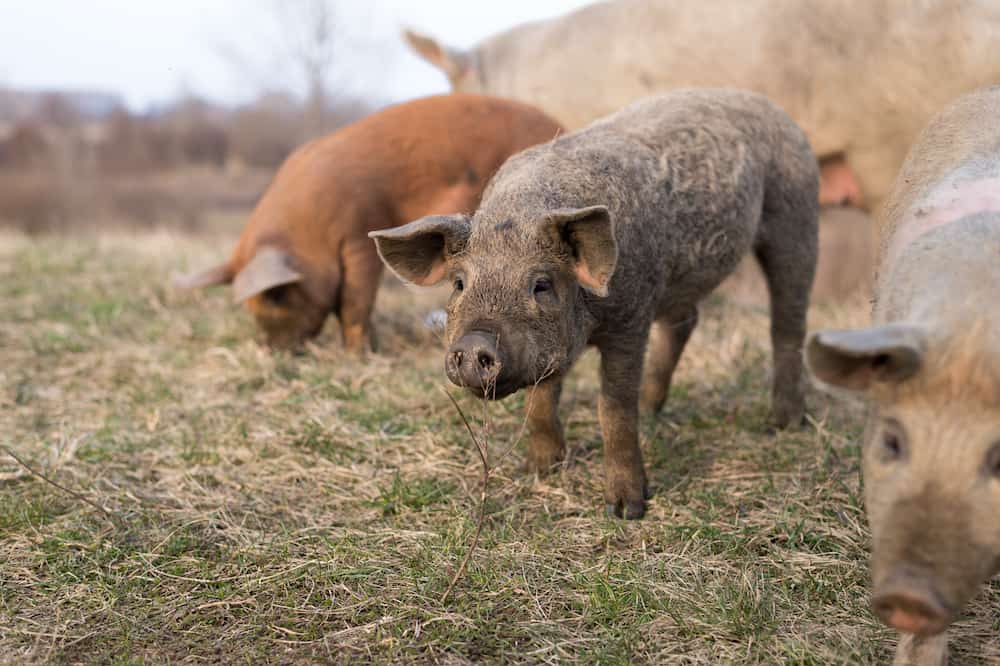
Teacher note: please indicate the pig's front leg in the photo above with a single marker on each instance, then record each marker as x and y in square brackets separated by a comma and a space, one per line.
[546, 446]
[618, 409]
[914, 651]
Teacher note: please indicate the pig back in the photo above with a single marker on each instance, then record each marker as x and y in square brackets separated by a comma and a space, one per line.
[926, 231]
[861, 78]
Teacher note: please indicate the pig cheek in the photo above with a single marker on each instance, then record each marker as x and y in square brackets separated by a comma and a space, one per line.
[547, 340]
[880, 491]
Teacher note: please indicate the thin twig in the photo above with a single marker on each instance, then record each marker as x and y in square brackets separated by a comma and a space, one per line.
[482, 501]
[72, 493]
[481, 448]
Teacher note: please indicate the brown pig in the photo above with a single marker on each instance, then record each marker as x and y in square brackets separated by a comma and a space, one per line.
[597, 236]
[861, 77]
[930, 366]
[306, 253]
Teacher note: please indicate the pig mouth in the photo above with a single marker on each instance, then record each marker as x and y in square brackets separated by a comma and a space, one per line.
[496, 391]
[912, 605]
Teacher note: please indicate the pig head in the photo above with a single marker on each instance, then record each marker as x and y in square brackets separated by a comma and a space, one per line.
[288, 298]
[509, 329]
[931, 455]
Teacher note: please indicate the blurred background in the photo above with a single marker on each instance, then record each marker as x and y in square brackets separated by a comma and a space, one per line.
[115, 112]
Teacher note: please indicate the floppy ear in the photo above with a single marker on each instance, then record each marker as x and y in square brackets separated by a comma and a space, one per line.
[221, 274]
[418, 252]
[452, 62]
[590, 235]
[856, 359]
[269, 268]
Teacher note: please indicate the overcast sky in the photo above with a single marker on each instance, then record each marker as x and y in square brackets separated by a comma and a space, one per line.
[150, 51]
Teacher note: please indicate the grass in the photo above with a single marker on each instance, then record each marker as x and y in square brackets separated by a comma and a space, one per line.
[272, 508]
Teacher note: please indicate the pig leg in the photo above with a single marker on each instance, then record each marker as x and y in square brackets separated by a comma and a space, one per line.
[913, 651]
[788, 267]
[546, 446]
[362, 273]
[618, 410]
[667, 339]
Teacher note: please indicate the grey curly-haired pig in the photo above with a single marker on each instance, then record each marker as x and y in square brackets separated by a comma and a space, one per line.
[596, 236]
[930, 366]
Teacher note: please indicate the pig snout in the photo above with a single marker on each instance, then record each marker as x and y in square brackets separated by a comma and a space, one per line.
[908, 600]
[474, 362]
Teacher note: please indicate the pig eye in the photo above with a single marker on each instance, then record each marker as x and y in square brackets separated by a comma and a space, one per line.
[993, 460]
[542, 286]
[893, 441]
[458, 284]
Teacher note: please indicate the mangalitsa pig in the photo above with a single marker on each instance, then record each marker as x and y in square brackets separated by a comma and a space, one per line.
[930, 367]
[595, 237]
[305, 253]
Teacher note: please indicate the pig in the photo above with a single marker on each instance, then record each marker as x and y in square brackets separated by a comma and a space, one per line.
[305, 251]
[595, 237]
[929, 367]
[860, 77]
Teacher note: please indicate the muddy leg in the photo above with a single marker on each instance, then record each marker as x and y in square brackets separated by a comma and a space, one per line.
[362, 274]
[618, 409]
[789, 269]
[913, 651]
[666, 343]
[546, 446]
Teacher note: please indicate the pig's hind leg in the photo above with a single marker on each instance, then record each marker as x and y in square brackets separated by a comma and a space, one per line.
[668, 337]
[786, 251]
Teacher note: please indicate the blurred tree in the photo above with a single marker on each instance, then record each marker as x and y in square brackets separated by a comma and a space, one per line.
[308, 38]
[310, 30]
[55, 109]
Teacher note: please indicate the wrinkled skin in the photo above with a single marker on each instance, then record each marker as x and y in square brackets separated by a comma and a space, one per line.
[930, 367]
[604, 234]
[305, 253]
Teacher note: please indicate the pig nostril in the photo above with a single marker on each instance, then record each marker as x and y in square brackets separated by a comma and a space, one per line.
[485, 360]
[910, 613]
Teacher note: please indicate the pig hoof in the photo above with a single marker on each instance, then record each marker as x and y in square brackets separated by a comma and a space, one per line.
[788, 417]
[543, 466]
[629, 510]
[652, 405]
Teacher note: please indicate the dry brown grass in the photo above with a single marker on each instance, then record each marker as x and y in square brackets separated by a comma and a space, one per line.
[314, 508]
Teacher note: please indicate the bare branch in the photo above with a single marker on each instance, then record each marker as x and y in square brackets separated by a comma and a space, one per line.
[483, 456]
[72, 493]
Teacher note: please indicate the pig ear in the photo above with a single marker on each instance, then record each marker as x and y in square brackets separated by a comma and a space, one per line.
[856, 359]
[269, 268]
[590, 234]
[418, 252]
[221, 274]
[452, 62]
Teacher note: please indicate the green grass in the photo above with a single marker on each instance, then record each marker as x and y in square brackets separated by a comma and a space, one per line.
[314, 508]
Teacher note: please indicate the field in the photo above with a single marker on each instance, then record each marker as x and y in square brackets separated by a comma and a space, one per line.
[218, 502]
